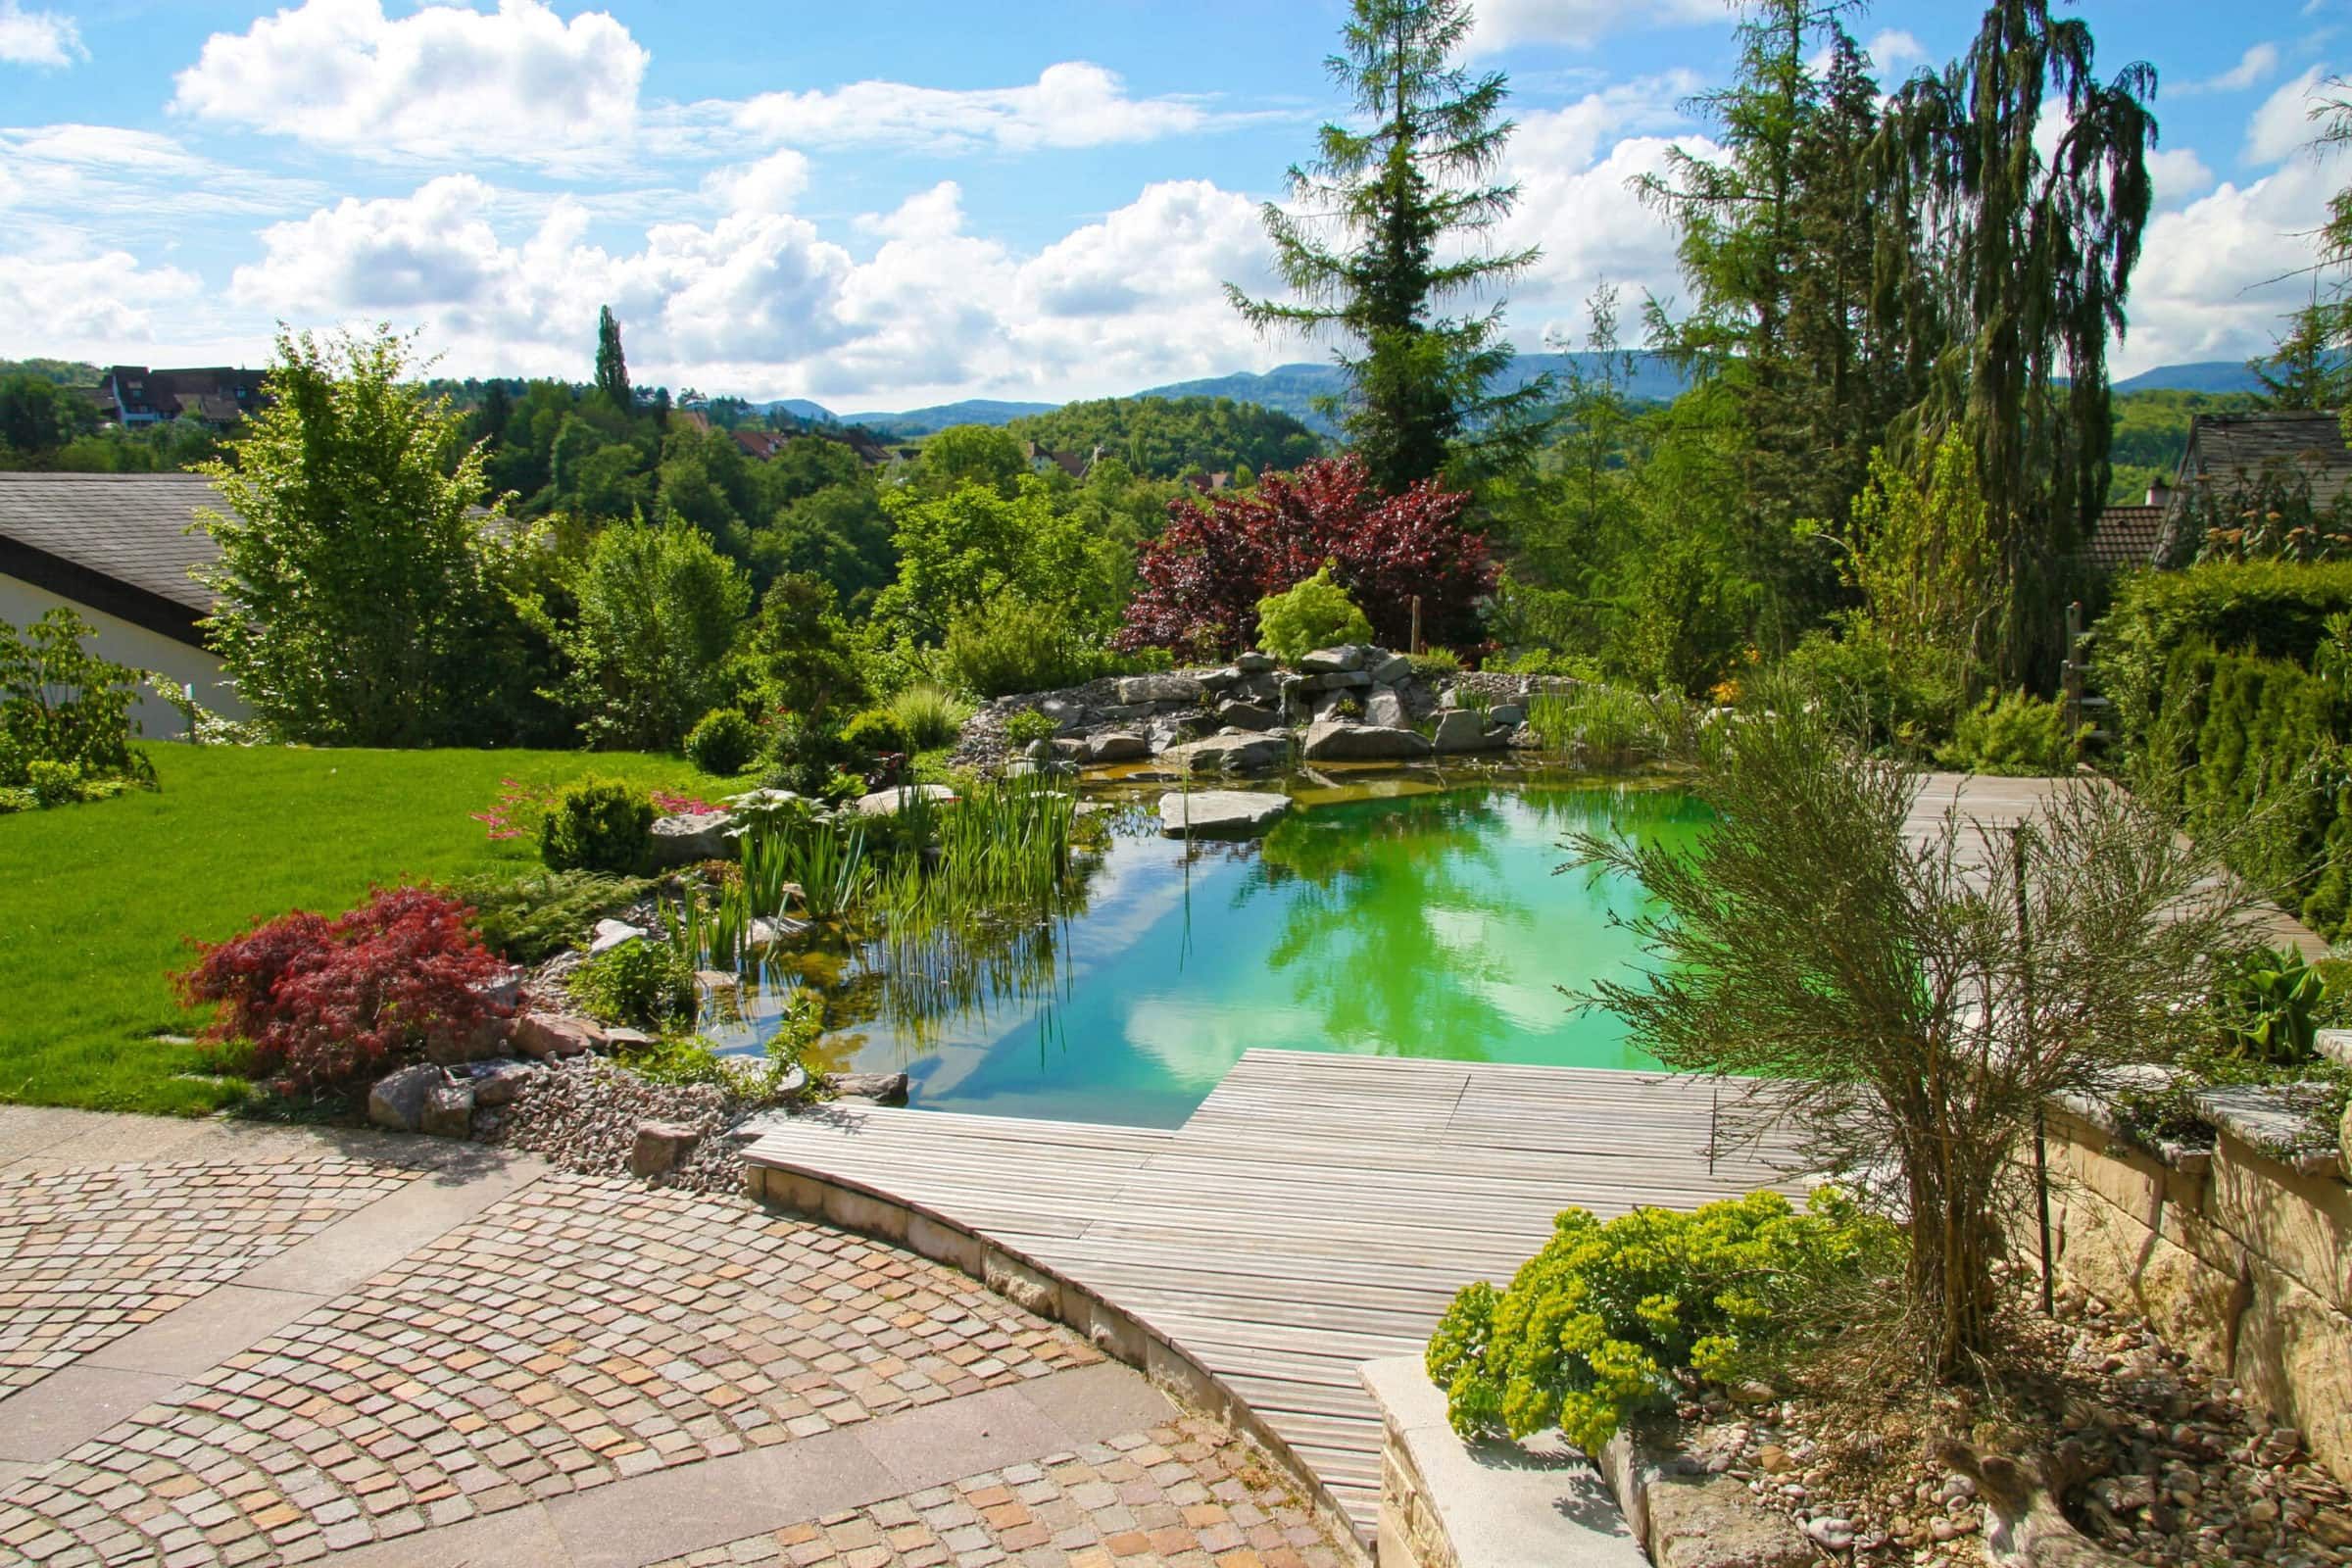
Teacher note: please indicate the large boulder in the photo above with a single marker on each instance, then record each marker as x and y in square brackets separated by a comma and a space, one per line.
[1117, 746]
[1229, 753]
[1465, 729]
[448, 1110]
[1219, 813]
[691, 837]
[1338, 680]
[1160, 689]
[1254, 663]
[1390, 670]
[1385, 709]
[552, 1036]
[398, 1102]
[500, 1080]
[882, 1088]
[888, 803]
[1333, 742]
[660, 1146]
[610, 934]
[1246, 716]
[1332, 661]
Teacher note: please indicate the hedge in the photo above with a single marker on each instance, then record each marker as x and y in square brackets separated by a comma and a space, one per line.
[2274, 609]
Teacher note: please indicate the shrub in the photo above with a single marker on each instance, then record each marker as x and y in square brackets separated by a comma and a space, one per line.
[64, 706]
[327, 1000]
[1027, 727]
[53, 783]
[928, 716]
[1436, 661]
[658, 612]
[2274, 609]
[876, 732]
[1008, 645]
[1313, 613]
[531, 919]
[599, 825]
[2018, 735]
[1591, 1329]
[1907, 697]
[723, 742]
[1203, 577]
[650, 984]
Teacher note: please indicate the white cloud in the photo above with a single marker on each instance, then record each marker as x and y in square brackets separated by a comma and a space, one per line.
[2178, 173]
[2255, 65]
[770, 185]
[2281, 127]
[1891, 48]
[89, 301]
[135, 179]
[517, 84]
[38, 37]
[1073, 104]
[1579, 24]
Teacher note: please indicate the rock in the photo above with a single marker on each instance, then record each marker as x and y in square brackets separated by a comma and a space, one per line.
[1361, 743]
[1714, 1523]
[398, 1100]
[1118, 746]
[610, 934]
[1463, 729]
[660, 1146]
[552, 1036]
[1336, 680]
[882, 1088]
[767, 932]
[504, 992]
[500, 1080]
[692, 836]
[1832, 1535]
[1753, 1391]
[1217, 680]
[1254, 662]
[1160, 689]
[1332, 661]
[449, 1110]
[1450, 696]
[626, 1038]
[887, 803]
[1385, 709]
[1773, 1459]
[1246, 716]
[1229, 753]
[1219, 813]
[1391, 669]
[1510, 715]
[1033, 767]
[717, 980]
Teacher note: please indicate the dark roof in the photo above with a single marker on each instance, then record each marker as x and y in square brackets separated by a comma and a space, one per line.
[220, 394]
[761, 444]
[115, 542]
[2223, 447]
[2125, 536]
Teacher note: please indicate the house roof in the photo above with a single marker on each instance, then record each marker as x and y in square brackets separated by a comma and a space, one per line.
[218, 394]
[2222, 447]
[2125, 536]
[116, 542]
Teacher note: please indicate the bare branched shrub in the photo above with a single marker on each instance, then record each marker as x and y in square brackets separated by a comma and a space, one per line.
[1904, 1001]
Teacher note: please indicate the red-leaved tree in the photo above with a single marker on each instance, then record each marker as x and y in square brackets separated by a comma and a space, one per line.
[324, 1001]
[1205, 575]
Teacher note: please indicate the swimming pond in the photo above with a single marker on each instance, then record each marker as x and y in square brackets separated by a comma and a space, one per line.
[1439, 924]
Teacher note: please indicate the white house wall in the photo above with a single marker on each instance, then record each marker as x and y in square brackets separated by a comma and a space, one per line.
[22, 603]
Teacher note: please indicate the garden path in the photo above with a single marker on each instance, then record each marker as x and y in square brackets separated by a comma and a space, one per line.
[230, 1345]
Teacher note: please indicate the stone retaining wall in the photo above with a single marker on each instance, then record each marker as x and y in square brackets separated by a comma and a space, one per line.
[2235, 1257]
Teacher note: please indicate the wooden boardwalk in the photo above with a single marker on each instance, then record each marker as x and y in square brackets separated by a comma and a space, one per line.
[1316, 1213]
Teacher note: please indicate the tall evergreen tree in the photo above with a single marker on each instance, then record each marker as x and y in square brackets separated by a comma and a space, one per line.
[612, 368]
[2013, 282]
[1360, 243]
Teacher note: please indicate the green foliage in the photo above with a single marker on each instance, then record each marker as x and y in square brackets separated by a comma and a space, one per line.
[1433, 662]
[1600, 722]
[599, 825]
[361, 601]
[612, 365]
[2278, 609]
[1310, 615]
[532, 917]
[1027, 727]
[983, 455]
[1593, 1328]
[38, 417]
[1924, 559]
[658, 612]
[2018, 735]
[801, 653]
[645, 984]
[928, 716]
[876, 732]
[722, 742]
[1905, 698]
[1169, 438]
[2269, 1003]
[2151, 432]
[1013, 646]
[682, 1060]
[1682, 620]
[64, 710]
[963, 551]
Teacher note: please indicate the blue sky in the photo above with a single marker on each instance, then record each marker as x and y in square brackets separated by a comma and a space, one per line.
[897, 203]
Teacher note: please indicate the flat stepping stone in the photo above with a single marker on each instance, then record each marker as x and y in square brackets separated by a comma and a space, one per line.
[1219, 813]
[887, 803]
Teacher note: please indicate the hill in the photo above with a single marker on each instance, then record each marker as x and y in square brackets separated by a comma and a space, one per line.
[924, 421]
[1292, 389]
[2199, 375]
[1167, 438]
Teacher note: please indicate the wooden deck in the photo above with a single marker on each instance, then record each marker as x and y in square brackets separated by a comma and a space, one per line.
[1316, 1213]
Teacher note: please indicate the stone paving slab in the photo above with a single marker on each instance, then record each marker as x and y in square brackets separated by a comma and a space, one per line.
[90, 1254]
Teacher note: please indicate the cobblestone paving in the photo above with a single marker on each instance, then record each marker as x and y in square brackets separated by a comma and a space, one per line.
[1189, 1495]
[87, 1256]
[581, 1332]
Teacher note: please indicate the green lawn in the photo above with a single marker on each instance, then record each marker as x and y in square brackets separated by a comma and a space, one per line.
[95, 899]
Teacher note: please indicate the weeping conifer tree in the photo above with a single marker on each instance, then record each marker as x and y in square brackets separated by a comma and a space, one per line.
[1359, 244]
[2011, 281]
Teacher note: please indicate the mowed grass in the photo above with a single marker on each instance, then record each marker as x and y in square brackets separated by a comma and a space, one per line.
[96, 900]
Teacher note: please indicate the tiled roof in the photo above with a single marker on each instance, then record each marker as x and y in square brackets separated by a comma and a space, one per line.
[2223, 446]
[130, 527]
[2125, 536]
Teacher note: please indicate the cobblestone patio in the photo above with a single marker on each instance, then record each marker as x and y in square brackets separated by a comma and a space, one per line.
[572, 1372]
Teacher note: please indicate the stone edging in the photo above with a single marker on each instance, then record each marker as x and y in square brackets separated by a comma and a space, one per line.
[1044, 1290]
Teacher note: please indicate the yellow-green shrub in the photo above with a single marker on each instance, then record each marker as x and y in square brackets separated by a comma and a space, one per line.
[1310, 615]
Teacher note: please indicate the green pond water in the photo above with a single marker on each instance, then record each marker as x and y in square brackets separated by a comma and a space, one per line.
[1434, 925]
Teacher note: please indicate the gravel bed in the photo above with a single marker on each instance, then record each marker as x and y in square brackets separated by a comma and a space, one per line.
[584, 1115]
[2187, 1470]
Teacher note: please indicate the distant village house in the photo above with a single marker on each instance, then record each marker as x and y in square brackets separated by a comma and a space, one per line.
[132, 395]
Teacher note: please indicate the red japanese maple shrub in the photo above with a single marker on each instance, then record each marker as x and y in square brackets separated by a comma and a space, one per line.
[1205, 575]
[324, 1001]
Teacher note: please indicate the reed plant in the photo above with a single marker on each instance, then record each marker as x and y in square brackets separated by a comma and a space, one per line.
[928, 716]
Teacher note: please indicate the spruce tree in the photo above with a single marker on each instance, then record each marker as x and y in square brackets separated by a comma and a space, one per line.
[1359, 244]
[612, 368]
